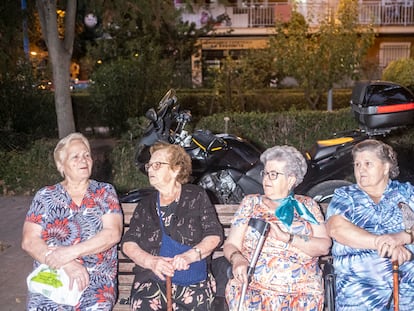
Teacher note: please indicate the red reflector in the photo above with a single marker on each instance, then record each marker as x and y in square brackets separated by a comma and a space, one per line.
[395, 108]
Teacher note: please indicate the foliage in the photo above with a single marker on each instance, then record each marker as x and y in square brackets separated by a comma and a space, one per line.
[143, 49]
[24, 108]
[319, 58]
[236, 77]
[150, 31]
[126, 88]
[11, 21]
[207, 102]
[400, 71]
[127, 175]
[24, 172]
[297, 128]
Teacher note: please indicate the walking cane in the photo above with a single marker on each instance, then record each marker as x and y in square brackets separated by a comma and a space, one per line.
[395, 278]
[263, 228]
[169, 292]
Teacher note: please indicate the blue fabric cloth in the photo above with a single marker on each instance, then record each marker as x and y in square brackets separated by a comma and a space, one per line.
[197, 271]
[287, 207]
[363, 279]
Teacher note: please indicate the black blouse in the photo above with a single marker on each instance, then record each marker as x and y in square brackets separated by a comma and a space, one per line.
[188, 221]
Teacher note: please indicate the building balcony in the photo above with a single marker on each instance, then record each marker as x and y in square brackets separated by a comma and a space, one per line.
[386, 16]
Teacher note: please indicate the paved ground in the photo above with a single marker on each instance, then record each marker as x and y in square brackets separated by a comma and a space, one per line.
[15, 264]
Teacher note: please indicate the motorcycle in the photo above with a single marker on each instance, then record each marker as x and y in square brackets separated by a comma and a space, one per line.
[229, 167]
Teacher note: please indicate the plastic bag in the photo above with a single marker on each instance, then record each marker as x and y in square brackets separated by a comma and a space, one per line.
[53, 284]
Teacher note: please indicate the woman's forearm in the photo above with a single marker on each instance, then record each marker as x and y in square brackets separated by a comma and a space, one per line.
[137, 255]
[204, 248]
[312, 246]
[346, 233]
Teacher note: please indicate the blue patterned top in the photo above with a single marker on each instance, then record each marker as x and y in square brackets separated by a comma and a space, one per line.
[364, 280]
[64, 223]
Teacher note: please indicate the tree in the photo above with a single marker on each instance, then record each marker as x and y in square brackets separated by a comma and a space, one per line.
[235, 77]
[59, 42]
[11, 40]
[319, 58]
[156, 44]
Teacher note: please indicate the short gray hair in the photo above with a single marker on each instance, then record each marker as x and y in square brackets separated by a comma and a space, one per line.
[60, 149]
[295, 161]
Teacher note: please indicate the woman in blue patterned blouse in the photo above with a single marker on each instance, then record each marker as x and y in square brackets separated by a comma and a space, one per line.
[75, 225]
[370, 227]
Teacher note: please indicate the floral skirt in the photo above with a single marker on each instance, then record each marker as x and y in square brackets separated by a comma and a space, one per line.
[267, 300]
[151, 295]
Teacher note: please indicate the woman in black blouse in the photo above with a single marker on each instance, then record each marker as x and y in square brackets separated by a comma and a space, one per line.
[171, 233]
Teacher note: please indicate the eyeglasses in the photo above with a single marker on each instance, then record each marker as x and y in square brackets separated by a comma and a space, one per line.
[272, 175]
[155, 165]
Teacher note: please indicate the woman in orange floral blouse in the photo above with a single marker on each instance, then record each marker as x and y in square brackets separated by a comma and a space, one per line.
[287, 275]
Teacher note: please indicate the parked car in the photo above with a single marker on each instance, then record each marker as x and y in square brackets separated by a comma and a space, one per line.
[79, 85]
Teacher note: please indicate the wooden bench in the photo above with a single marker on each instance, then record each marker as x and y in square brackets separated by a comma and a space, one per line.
[125, 275]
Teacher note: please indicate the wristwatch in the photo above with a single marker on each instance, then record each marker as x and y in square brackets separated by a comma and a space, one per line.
[198, 251]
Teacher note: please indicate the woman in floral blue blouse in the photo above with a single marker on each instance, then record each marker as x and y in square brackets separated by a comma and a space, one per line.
[370, 227]
[75, 225]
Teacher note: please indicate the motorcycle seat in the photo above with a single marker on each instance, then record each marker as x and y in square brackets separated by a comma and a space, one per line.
[328, 147]
[207, 141]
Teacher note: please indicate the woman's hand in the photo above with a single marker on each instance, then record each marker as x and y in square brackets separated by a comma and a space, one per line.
[386, 243]
[181, 262]
[77, 273]
[57, 257]
[278, 234]
[401, 254]
[239, 267]
[162, 266]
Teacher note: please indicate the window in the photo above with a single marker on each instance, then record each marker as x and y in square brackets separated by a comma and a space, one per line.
[393, 51]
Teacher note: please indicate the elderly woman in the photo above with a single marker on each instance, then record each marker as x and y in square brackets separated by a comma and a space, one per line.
[75, 225]
[287, 274]
[370, 223]
[171, 233]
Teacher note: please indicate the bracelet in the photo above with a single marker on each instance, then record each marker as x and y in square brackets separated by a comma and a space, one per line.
[291, 236]
[50, 251]
[234, 254]
[198, 251]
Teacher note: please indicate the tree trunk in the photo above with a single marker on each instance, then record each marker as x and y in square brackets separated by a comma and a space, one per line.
[60, 47]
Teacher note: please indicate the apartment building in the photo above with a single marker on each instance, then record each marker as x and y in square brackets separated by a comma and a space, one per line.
[247, 24]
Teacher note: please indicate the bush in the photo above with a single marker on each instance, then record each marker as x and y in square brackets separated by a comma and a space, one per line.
[24, 108]
[24, 172]
[205, 102]
[400, 71]
[298, 128]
